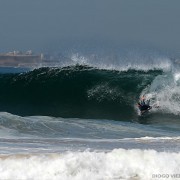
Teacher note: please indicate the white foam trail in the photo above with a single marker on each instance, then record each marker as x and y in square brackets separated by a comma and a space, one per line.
[117, 164]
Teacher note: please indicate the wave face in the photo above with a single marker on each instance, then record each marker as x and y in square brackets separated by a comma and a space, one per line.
[74, 91]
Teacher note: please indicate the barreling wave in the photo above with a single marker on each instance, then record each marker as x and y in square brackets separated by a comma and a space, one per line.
[74, 91]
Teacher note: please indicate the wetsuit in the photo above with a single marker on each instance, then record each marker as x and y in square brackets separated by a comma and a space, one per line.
[144, 106]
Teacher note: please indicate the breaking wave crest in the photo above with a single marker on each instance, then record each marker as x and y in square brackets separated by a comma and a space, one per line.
[131, 60]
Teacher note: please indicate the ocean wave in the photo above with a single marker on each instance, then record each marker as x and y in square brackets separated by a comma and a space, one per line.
[116, 164]
[74, 91]
[87, 92]
[18, 127]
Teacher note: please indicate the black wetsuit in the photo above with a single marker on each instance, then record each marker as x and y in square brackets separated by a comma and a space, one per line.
[144, 106]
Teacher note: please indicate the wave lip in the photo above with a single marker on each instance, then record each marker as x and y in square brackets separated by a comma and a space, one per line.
[130, 61]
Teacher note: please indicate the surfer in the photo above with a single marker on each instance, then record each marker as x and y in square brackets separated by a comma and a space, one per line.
[143, 105]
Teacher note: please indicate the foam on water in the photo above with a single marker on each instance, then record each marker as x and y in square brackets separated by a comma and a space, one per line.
[116, 164]
[165, 91]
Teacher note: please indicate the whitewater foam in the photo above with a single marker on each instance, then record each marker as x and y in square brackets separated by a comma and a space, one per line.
[117, 164]
[165, 91]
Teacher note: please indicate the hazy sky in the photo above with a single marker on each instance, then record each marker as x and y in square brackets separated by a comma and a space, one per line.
[40, 24]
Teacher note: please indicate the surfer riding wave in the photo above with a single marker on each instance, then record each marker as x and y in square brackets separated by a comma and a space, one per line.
[143, 104]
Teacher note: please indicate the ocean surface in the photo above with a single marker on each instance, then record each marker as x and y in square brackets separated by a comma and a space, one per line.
[80, 121]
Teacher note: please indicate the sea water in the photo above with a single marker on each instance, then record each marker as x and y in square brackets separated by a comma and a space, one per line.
[80, 121]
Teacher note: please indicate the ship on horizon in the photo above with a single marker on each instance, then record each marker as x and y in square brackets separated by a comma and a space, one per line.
[21, 60]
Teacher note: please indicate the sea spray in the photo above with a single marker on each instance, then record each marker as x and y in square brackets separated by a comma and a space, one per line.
[164, 91]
